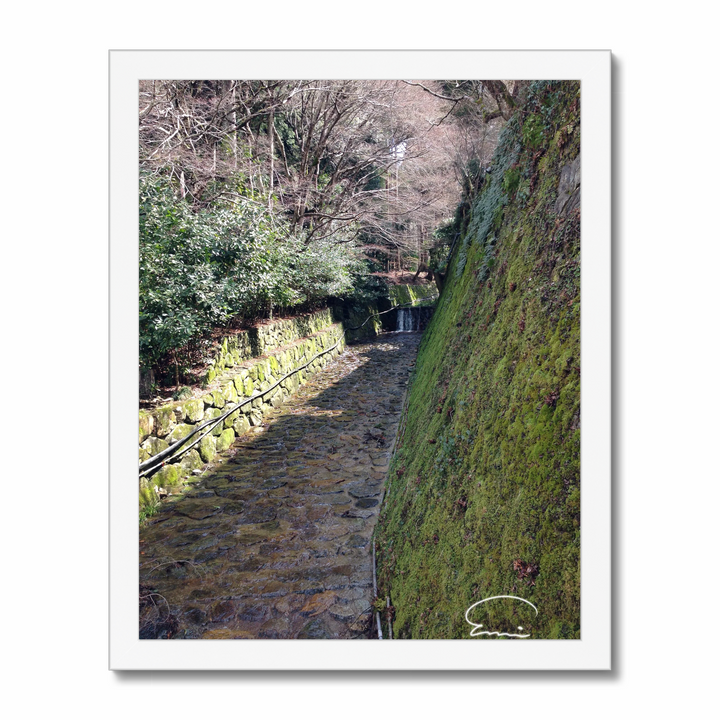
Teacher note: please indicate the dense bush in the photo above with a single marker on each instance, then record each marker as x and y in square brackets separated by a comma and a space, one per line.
[199, 269]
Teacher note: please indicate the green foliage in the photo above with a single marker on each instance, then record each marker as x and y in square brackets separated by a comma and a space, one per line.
[446, 232]
[444, 237]
[484, 490]
[199, 269]
[320, 269]
[511, 180]
[182, 393]
[287, 138]
[473, 180]
[149, 502]
[376, 180]
[487, 210]
[544, 97]
[147, 511]
[533, 131]
[367, 289]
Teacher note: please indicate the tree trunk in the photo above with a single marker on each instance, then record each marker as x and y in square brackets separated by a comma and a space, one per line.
[147, 380]
[177, 372]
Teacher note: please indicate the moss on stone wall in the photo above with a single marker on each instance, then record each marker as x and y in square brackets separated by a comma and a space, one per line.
[177, 420]
[265, 339]
[361, 322]
[484, 490]
[415, 294]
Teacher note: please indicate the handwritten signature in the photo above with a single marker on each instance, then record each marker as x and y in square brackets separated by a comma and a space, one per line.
[477, 627]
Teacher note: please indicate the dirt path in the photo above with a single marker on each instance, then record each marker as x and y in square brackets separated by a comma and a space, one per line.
[274, 542]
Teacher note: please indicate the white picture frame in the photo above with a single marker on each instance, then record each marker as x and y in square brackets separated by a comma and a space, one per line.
[593, 651]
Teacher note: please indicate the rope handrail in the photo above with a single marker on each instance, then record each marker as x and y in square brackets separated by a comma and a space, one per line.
[155, 462]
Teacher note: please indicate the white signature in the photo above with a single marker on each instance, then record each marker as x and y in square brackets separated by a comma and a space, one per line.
[477, 628]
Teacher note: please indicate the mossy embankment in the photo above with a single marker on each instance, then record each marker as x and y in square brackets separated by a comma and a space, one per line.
[483, 497]
[417, 295]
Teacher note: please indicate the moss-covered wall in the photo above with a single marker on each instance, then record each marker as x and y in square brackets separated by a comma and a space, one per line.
[483, 497]
[165, 425]
[415, 294]
[361, 321]
[264, 339]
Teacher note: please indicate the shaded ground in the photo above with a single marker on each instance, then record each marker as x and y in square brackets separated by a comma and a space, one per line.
[275, 542]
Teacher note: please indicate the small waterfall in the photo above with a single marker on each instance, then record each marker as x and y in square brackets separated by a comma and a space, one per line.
[401, 315]
[413, 319]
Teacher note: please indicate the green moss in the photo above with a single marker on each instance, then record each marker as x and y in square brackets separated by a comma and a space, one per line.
[167, 476]
[145, 425]
[230, 419]
[180, 431]
[415, 294]
[148, 496]
[511, 180]
[193, 410]
[249, 387]
[206, 448]
[241, 425]
[361, 323]
[239, 381]
[154, 445]
[491, 505]
[211, 414]
[229, 392]
[225, 440]
[191, 460]
[164, 420]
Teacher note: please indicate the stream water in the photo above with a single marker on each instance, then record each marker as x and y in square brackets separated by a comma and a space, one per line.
[274, 540]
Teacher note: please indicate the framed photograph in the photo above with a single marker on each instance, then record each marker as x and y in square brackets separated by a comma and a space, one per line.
[360, 340]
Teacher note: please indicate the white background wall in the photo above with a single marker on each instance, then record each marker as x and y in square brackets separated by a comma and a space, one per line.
[54, 290]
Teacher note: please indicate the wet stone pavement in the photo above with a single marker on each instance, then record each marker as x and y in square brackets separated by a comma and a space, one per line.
[274, 540]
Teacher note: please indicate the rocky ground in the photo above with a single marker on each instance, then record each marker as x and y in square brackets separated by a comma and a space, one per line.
[275, 540]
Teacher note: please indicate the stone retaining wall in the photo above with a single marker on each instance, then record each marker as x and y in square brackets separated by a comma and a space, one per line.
[353, 317]
[265, 339]
[161, 427]
[416, 294]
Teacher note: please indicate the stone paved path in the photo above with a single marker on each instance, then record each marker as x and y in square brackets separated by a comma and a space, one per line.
[274, 541]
